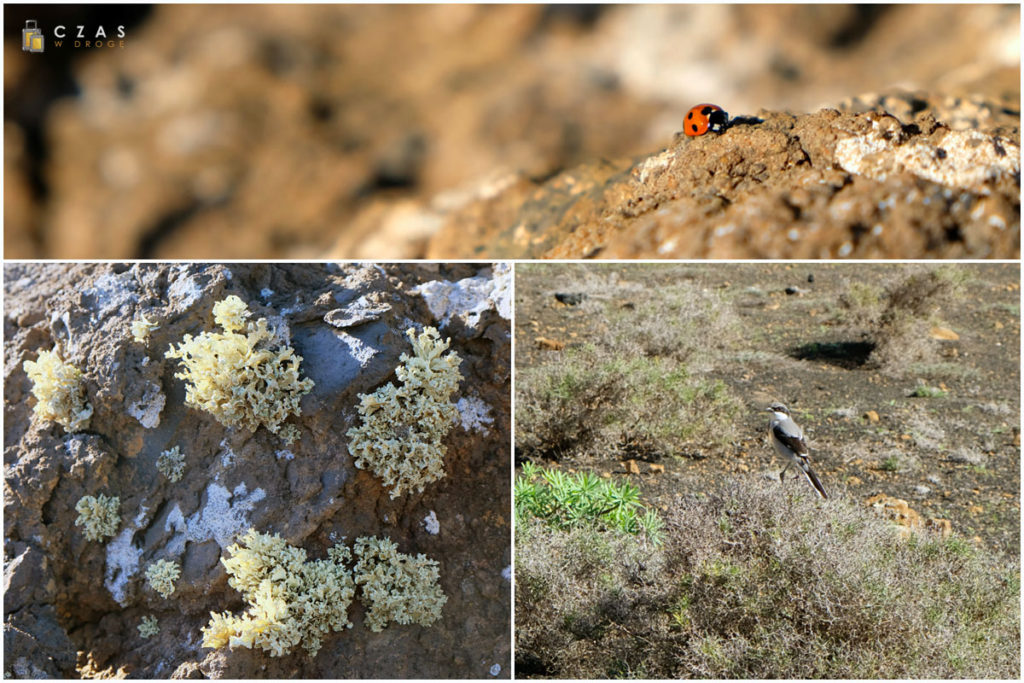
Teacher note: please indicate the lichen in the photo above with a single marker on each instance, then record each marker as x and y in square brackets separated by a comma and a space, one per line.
[161, 576]
[171, 463]
[292, 601]
[148, 628]
[60, 395]
[402, 428]
[241, 379]
[141, 328]
[100, 516]
[398, 587]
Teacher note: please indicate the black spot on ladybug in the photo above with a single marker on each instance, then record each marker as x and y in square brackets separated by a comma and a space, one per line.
[694, 127]
[940, 153]
[1000, 150]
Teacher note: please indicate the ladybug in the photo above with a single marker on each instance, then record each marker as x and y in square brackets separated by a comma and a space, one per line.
[705, 117]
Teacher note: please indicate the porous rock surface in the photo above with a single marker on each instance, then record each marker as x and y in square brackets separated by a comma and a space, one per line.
[64, 595]
[859, 184]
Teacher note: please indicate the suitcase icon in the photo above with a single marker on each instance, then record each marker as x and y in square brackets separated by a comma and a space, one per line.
[32, 37]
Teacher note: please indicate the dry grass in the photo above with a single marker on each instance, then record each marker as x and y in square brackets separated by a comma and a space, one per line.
[896, 315]
[756, 583]
[636, 406]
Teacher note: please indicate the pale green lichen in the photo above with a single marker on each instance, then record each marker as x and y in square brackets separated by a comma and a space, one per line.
[142, 327]
[59, 393]
[398, 587]
[402, 428]
[241, 379]
[100, 516]
[148, 628]
[292, 601]
[161, 576]
[171, 463]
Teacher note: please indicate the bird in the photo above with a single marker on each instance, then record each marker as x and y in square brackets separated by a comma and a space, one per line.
[788, 439]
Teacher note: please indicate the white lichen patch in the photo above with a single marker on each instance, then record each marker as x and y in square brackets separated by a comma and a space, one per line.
[360, 311]
[148, 408]
[396, 587]
[100, 516]
[142, 327]
[474, 414]
[469, 298]
[122, 564]
[241, 379]
[223, 516]
[400, 436]
[292, 601]
[60, 395]
[362, 353]
[171, 463]
[148, 628]
[962, 159]
[110, 293]
[431, 524]
[185, 290]
[161, 576]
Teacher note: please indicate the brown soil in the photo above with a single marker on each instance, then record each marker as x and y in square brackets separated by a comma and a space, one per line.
[955, 458]
[821, 185]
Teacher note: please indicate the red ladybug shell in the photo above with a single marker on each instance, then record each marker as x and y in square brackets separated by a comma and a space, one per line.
[704, 117]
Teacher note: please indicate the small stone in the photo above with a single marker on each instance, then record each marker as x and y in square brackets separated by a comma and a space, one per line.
[657, 469]
[571, 298]
[632, 467]
[549, 344]
[872, 416]
[944, 333]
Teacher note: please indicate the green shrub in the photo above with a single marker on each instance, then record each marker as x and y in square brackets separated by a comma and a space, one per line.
[583, 499]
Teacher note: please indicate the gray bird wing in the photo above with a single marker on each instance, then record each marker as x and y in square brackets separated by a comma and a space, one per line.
[788, 433]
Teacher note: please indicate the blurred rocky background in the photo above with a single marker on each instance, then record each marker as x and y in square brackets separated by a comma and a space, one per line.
[360, 131]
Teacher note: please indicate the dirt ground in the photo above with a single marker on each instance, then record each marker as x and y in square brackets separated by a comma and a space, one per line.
[955, 457]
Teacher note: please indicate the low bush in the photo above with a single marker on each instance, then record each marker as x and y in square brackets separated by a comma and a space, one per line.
[637, 406]
[896, 316]
[758, 583]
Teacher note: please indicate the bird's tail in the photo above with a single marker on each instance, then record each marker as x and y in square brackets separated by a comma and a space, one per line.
[813, 479]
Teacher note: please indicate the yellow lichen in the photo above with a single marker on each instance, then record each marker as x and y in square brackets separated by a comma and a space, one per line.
[171, 463]
[402, 428]
[59, 393]
[291, 601]
[141, 328]
[398, 587]
[161, 576]
[241, 379]
[148, 627]
[100, 516]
